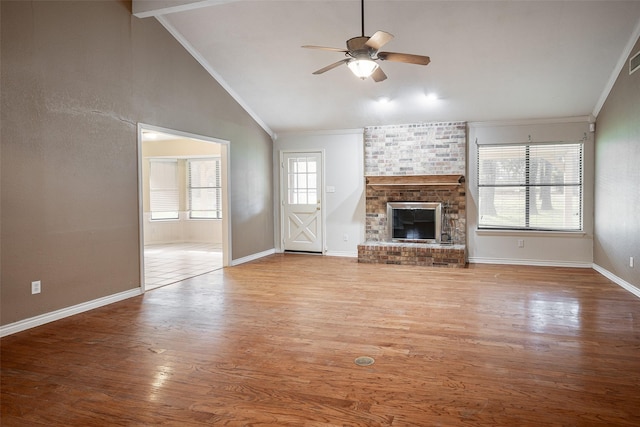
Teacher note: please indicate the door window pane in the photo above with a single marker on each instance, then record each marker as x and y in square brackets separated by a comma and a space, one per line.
[302, 181]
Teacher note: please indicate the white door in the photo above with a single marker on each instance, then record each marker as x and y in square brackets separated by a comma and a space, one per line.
[301, 175]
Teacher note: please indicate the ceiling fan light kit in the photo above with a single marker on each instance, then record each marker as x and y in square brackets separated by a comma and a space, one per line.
[363, 52]
[362, 68]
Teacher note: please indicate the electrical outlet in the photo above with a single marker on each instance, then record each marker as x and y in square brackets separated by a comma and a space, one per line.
[521, 243]
[35, 287]
[631, 261]
[345, 237]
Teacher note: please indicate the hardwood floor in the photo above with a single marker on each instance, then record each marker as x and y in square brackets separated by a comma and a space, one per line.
[273, 343]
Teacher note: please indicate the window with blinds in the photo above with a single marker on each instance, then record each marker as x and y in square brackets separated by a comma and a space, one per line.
[164, 195]
[530, 186]
[204, 188]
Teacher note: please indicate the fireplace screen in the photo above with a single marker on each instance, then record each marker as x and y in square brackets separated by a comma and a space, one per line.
[414, 221]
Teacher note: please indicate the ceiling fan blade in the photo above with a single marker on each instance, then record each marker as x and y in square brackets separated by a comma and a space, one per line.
[331, 67]
[378, 75]
[333, 49]
[379, 39]
[404, 57]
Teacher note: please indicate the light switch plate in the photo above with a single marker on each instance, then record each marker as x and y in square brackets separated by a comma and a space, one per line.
[36, 287]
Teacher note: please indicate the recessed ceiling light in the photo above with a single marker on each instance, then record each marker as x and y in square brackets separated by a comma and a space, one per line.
[384, 100]
[431, 97]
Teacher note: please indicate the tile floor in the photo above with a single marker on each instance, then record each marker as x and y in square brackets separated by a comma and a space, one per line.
[170, 263]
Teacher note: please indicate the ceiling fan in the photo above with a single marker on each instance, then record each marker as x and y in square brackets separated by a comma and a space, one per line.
[363, 52]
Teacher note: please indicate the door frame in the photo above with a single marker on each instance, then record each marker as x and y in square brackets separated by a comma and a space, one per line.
[226, 185]
[321, 194]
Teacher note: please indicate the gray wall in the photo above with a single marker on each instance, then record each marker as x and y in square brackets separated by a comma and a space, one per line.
[76, 78]
[617, 178]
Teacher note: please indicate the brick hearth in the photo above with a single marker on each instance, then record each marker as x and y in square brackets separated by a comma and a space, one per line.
[425, 254]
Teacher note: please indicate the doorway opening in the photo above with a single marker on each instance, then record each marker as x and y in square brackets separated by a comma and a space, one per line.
[183, 205]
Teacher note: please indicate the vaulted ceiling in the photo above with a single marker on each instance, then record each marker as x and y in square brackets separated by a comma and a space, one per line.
[490, 60]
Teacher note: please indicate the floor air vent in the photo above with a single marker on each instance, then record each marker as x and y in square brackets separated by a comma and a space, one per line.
[364, 361]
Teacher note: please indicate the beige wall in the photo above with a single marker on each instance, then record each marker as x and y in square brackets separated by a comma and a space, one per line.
[617, 188]
[77, 78]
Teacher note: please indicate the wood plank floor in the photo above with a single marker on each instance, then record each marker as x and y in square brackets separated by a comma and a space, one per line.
[273, 343]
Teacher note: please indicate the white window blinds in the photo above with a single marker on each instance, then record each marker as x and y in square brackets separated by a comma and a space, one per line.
[163, 189]
[530, 186]
[205, 189]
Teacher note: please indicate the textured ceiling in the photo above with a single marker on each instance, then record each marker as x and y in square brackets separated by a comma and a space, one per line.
[490, 60]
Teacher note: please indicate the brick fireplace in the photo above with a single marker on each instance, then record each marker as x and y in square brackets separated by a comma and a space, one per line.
[415, 163]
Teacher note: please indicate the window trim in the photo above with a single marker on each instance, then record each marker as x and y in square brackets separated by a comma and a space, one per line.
[496, 229]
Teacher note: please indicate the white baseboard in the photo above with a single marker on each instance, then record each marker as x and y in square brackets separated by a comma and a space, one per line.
[348, 254]
[253, 257]
[617, 280]
[539, 263]
[32, 322]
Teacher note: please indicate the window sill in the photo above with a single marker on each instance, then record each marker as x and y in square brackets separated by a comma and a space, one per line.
[536, 233]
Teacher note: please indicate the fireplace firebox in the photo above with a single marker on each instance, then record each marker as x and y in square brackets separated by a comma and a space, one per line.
[414, 222]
